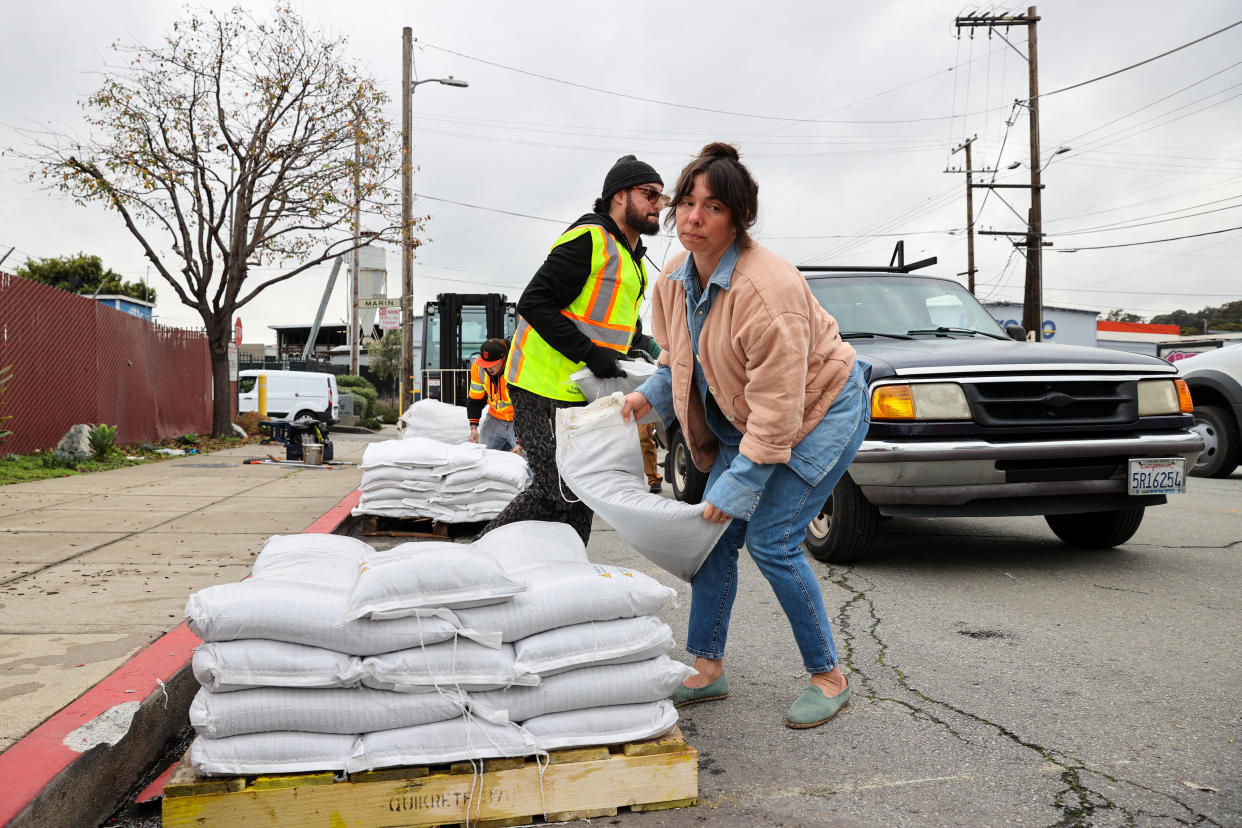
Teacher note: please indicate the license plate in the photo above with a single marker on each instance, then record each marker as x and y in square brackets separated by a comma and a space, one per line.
[1157, 476]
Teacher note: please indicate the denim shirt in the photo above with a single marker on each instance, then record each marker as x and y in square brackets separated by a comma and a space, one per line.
[737, 490]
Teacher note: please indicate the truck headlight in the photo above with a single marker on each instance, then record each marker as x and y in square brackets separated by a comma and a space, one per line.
[1163, 396]
[930, 401]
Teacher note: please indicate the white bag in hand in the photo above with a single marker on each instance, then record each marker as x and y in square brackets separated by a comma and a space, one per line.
[599, 458]
[636, 373]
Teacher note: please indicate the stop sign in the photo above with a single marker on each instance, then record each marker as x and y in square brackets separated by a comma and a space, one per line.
[237, 332]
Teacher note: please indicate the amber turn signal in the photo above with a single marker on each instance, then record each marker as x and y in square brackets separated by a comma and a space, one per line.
[1183, 396]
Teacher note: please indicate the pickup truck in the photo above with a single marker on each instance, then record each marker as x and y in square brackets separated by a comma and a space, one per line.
[971, 420]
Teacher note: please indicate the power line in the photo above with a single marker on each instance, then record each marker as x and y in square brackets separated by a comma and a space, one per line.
[561, 222]
[1152, 241]
[1141, 62]
[628, 96]
[1111, 228]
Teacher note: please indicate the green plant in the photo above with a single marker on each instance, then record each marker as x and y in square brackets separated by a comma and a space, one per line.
[385, 413]
[6, 374]
[189, 439]
[101, 437]
[371, 423]
[385, 355]
[363, 392]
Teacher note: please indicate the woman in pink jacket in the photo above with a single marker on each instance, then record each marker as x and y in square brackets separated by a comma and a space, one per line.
[770, 399]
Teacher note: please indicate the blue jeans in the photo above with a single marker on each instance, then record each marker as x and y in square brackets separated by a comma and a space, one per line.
[497, 434]
[772, 536]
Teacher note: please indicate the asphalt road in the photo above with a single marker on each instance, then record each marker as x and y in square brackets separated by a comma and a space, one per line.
[1000, 678]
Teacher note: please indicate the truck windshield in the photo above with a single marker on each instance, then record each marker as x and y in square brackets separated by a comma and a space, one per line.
[895, 305]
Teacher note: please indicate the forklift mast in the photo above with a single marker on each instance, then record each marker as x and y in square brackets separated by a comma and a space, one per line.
[455, 326]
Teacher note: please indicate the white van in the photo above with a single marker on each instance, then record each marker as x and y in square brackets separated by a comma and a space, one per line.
[291, 395]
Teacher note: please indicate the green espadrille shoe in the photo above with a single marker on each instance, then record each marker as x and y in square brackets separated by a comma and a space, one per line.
[813, 708]
[684, 695]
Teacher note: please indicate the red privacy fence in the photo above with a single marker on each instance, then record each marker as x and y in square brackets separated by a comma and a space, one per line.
[75, 360]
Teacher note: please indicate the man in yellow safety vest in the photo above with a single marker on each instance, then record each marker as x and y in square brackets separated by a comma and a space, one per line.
[487, 383]
[578, 310]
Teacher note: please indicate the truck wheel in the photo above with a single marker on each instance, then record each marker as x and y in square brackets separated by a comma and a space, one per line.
[1222, 449]
[302, 414]
[845, 528]
[679, 470]
[1097, 530]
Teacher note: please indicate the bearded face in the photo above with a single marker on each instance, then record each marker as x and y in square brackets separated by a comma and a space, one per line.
[641, 214]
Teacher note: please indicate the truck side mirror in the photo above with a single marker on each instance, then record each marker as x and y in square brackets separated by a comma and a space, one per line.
[1016, 332]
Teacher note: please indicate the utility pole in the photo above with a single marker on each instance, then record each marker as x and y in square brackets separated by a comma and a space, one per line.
[1032, 303]
[353, 305]
[407, 218]
[970, 212]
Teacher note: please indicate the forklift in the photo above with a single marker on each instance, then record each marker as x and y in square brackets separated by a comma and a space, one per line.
[455, 326]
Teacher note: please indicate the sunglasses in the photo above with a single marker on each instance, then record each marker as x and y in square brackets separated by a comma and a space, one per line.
[655, 197]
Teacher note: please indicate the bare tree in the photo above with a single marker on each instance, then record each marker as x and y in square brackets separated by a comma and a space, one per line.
[231, 145]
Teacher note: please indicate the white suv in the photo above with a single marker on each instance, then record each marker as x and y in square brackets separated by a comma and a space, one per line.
[1215, 380]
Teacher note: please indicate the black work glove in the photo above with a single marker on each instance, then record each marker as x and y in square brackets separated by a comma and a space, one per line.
[603, 363]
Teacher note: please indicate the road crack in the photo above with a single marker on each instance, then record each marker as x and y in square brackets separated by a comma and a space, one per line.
[1077, 800]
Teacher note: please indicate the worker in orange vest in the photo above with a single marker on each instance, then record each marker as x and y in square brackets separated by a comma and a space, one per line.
[487, 382]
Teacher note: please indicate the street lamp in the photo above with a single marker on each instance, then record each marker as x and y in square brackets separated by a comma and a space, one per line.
[408, 85]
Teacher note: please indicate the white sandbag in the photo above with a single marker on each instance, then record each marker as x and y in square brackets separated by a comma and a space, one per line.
[435, 420]
[637, 371]
[310, 614]
[345, 711]
[411, 576]
[533, 543]
[461, 665]
[499, 466]
[458, 500]
[587, 687]
[384, 508]
[465, 513]
[310, 557]
[602, 725]
[595, 642]
[223, 666]
[455, 740]
[396, 477]
[274, 752]
[413, 453]
[568, 593]
[460, 493]
[601, 462]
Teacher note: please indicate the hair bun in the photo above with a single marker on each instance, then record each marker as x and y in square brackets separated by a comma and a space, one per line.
[719, 149]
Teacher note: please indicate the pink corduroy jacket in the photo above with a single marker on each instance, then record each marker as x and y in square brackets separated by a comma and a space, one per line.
[773, 357]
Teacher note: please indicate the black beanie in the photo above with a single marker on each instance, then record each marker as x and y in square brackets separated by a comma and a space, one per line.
[629, 172]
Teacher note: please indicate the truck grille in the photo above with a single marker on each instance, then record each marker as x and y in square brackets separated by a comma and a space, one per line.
[1053, 402]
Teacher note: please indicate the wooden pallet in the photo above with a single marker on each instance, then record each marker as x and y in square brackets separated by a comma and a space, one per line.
[390, 527]
[578, 783]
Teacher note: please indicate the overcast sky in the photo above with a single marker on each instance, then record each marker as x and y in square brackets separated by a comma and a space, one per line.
[845, 112]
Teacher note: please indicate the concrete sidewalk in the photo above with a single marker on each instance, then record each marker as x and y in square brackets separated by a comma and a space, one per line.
[94, 569]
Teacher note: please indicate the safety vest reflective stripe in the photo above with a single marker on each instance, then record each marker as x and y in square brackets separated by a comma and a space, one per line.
[517, 355]
[616, 337]
[604, 296]
[604, 311]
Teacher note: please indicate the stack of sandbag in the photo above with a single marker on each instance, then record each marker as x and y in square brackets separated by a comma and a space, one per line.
[422, 477]
[435, 420]
[335, 656]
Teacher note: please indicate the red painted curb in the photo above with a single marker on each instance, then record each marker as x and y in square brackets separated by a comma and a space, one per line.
[29, 765]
